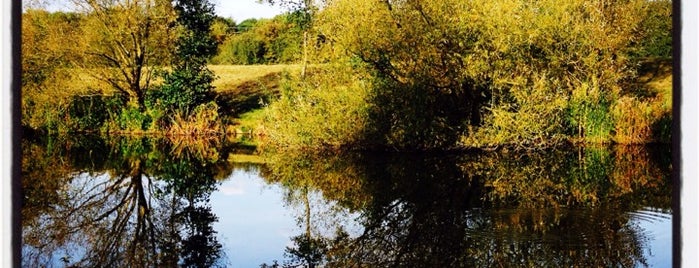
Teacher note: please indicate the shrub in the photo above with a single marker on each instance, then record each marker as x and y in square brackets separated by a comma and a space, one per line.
[183, 89]
[90, 112]
[131, 119]
[534, 115]
[327, 108]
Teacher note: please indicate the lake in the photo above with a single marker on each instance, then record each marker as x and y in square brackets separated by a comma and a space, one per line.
[145, 202]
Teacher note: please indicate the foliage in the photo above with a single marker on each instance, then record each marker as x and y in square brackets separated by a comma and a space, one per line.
[536, 120]
[45, 46]
[131, 119]
[264, 41]
[195, 43]
[326, 109]
[401, 75]
[125, 41]
[540, 71]
[183, 90]
[656, 26]
[246, 25]
[221, 28]
[92, 111]
[188, 87]
[47, 52]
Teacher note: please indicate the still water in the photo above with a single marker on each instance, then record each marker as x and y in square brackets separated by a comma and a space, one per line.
[139, 202]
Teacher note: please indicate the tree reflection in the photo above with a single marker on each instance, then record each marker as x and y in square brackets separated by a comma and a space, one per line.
[118, 203]
[544, 209]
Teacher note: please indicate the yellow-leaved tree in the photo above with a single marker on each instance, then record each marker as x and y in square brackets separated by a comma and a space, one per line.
[492, 71]
[452, 73]
[125, 41]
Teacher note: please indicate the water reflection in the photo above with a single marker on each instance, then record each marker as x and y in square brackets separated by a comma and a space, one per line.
[545, 209]
[139, 202]
[118, 203]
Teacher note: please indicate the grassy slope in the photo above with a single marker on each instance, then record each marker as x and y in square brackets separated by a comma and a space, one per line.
[659, 81]
[657, 84]
[242, 88]
[231, 77]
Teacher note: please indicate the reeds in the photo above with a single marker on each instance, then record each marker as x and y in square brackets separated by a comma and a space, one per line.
[203, 121]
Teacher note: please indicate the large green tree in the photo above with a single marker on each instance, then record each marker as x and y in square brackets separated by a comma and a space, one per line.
[189, 83]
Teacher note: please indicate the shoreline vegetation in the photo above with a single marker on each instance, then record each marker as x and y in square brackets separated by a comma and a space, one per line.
[579, 73]
[252, 83]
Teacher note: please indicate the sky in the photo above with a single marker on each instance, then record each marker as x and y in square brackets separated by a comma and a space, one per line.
[238, 10]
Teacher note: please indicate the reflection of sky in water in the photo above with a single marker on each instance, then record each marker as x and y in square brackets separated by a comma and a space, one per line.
[657, 227]
[255, 225]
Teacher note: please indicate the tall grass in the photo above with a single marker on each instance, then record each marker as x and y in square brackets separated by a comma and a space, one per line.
[204, 120]
[633, 121]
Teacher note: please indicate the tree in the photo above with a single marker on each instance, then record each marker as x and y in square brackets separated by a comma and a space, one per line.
[495, 71]
[304, 11]
[221, 28]
[48, 50]
[276, 40]
[189, 83]
[126, 40]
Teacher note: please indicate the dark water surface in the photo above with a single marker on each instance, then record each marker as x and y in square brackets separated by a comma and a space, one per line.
[139, 202]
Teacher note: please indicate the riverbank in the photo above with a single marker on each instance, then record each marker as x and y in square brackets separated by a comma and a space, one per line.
[242, 94]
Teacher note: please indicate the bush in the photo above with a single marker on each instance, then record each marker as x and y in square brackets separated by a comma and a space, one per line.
[131, 119]
[411, 117]
[183, 89]
[533, 115]
[90, 112]
[328, 108]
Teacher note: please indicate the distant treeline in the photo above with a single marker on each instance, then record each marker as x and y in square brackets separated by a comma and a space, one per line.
[259, 41]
